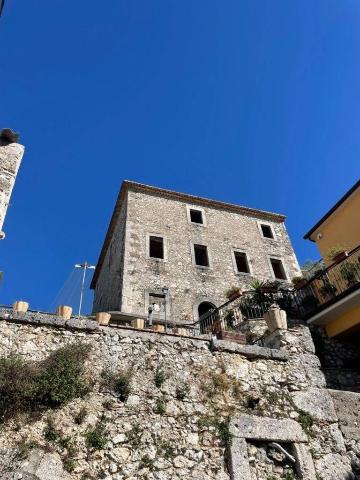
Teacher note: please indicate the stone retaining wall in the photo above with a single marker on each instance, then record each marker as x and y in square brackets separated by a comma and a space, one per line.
[205, 387]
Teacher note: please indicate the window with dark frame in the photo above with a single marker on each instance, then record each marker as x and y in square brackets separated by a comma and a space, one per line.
[266, 231]
[242, 265]
[278, 269]
[201, 255]
[196, 216]
[156, 247]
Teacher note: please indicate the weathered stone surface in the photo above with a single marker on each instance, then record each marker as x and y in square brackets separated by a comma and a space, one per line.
[317, 402]
[263, 428]
[202, 386]
[347, 406]
[10, 159]
[334, 466]
[305, 464]
[239, 460]
[42, 465]
[250, 351]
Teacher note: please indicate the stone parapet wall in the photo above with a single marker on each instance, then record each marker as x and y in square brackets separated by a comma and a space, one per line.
[204, 388]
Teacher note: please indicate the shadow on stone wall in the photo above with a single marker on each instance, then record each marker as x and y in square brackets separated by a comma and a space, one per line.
[340, 360]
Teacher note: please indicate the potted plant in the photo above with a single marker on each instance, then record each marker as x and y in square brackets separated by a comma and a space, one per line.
[270, 287]
[232, 293]
[299, 282]
[349, 272]
[337, 253]
[258, 295]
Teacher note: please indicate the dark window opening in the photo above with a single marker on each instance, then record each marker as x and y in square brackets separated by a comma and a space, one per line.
[205, 307]
[278, 269]
[196, 216]
[241, 262]
[157, 303]
[156, 247]
[201, 255]
[267, 231]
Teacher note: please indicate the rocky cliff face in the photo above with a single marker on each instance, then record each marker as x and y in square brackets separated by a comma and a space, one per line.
[178, 419]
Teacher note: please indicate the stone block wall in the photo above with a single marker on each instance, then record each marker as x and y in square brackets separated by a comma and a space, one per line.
[205, 386]
[10, 159]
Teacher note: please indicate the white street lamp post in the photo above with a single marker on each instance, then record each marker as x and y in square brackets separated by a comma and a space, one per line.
[85, 266]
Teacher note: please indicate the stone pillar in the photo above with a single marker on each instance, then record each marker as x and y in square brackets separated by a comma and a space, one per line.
[11, 154]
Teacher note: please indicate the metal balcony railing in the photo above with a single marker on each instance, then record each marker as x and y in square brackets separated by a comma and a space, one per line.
[249, 305]
[330, 285]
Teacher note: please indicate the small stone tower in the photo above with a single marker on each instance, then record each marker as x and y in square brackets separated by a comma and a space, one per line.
[11, 154]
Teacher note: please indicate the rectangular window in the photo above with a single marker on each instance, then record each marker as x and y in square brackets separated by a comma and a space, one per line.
[196, 216]
[266, 231]
[201, 255]
[242, 265]
[278, 269]
[156, 247]
[157, 303]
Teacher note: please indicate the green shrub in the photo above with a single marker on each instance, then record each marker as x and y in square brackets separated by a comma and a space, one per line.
[224, 433]
[305, 420]
[96, 437]
[50, 432]
[24, 449]
[134, 436]
[146, 462]
[119, 383]
[25, 386]
[159, 377]
[61, 377]
[182, 391]
[16, 386]
[160, 407]
[69, 464]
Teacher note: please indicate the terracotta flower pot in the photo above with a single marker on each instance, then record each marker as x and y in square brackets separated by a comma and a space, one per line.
[20, 306]
[138, 323]
[103, 318]
[158, 328]
[184, 332]
[64, 311]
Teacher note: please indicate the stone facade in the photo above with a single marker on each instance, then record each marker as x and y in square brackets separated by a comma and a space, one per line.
[126, 275]
[11, 154]
[274, 393]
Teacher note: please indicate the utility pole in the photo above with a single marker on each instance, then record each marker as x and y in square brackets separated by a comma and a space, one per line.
[2, 3]
[85, 266]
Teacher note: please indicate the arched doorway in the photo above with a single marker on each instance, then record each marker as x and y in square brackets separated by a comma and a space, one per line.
[205, 307]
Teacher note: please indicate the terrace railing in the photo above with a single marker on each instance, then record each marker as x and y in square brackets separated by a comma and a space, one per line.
[330, 285]
[248, 306]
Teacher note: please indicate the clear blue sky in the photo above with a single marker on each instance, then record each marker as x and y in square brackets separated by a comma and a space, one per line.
[250, 102]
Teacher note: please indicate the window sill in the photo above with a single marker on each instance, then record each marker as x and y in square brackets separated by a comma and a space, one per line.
[197, 224]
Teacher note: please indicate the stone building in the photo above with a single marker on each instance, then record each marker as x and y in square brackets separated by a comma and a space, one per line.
[179, 253]
[11, 154]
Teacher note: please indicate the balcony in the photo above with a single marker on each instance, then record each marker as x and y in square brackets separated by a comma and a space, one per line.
[333, 291]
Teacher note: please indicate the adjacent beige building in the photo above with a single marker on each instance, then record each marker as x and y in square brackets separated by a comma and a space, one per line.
[179, 253]
[11, 154]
